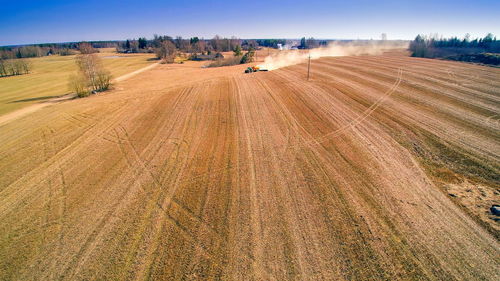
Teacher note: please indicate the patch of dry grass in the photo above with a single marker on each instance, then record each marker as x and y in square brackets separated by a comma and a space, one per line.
[50, 76]
[234, 60]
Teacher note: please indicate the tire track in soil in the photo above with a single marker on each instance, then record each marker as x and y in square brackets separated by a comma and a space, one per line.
[357, 121]
[163, 201]
[94, 238]
[160, 164]
[255, 215]
[87, 135]
[137, 159]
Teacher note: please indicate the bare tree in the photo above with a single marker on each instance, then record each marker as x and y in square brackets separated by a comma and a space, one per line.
[134, 46]
[14, 67]
[182, 44]
[91, 77]
[216, 43]
[201, 46]
[234, 42]
[86, 48]
[250, 44]
[3, 68]
[24, 65]
[166, 52]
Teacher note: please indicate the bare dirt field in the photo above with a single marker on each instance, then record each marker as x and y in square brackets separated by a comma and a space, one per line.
[379, 167]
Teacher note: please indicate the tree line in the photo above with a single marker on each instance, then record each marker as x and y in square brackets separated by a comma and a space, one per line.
[193, 45]
[434, 47]
[41, 50]
[186, 45]
[11, 67]
[166, 47]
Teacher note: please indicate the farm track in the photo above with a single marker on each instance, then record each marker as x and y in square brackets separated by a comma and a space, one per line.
[184, 173]
[30, 109]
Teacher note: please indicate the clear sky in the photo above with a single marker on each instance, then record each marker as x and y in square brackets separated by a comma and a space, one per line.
[30, 21]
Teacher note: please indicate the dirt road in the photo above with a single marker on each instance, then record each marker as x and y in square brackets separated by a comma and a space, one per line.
[184, 173]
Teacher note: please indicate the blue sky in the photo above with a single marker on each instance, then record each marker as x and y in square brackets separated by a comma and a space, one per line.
[28, 21]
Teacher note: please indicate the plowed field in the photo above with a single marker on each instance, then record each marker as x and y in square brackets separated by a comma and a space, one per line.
[379, 167]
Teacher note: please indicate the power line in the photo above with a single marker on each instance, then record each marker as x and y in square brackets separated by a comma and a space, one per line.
[309, 67]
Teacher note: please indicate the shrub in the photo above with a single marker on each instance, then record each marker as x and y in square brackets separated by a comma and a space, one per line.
[102, 81]
[78, 84]
[225, 62]
[169, 59]
[194, 56]
[484, 58]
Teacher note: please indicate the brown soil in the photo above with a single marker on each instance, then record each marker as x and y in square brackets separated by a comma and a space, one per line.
[185, 173]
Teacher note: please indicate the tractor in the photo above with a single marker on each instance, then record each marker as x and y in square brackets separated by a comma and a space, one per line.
[251, 69]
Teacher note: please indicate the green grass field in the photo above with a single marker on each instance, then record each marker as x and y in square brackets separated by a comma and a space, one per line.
[49, 78]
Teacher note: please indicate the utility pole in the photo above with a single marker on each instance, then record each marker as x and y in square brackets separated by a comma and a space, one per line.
[309, 67]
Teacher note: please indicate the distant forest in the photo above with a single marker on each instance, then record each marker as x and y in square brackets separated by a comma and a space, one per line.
[484, 50]
[193, 45]
[166, 49]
